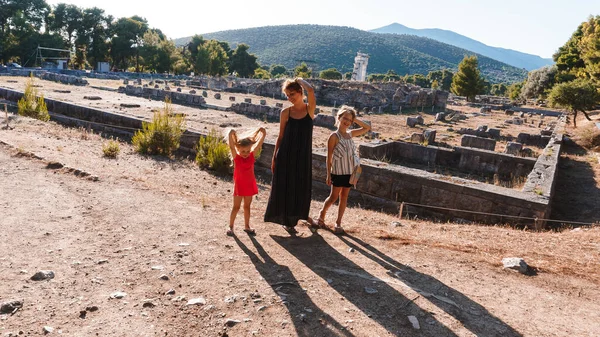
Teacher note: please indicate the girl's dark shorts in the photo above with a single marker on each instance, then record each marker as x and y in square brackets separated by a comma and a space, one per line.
[341, 180]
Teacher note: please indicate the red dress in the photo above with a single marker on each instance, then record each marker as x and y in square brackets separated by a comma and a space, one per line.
[244, 182]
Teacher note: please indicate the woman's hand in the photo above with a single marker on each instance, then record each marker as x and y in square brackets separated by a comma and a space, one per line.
[328, 180]
[273, 165]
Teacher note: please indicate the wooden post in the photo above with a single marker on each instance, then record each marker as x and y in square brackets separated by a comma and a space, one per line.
[401, 210]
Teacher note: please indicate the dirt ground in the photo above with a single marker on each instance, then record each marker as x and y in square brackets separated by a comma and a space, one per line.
[119, 225]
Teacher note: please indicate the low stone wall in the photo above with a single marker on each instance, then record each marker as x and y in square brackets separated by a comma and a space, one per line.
[49, 76]
[161, 94]
[464, 159]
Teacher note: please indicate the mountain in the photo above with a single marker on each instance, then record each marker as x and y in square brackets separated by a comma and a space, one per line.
[323, 47]
[508, 56]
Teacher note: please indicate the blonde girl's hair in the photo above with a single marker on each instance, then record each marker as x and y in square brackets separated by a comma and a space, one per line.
[342, 111]
[291, 84]
[247, 139]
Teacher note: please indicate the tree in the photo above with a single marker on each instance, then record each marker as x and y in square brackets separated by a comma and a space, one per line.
[539, 82]
[514, 90]
[217, 58]
[93, 34]
[303, 71]
[391, 76]
[262, 74]
[443, 77]
[578, 95]
[468, 81]
[127, 40]
[66, 20]
[277, 70]
[243, 63]
[330, 74]
[498, 89]
[418, 79]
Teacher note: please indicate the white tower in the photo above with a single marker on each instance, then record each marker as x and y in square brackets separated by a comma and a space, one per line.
[360, 67]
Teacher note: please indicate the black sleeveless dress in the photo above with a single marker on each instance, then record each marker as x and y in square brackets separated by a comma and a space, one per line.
[291, 185]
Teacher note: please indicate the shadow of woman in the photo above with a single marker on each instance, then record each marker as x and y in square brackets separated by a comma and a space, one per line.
[373, 296]
[308, 319]
[472, 315]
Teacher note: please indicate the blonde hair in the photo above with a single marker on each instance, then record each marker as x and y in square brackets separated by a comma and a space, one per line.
[342, 111]
[291, 84]
[247, 139]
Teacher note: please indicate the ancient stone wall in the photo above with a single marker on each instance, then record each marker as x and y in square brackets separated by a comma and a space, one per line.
[463, 159]
[160, 94]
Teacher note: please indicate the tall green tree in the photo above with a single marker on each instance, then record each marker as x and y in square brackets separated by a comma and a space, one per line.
[217, 58]
[20, 24]
[468, 81]
[128, 34]
[93, 35]
[66, 20]
[514, 90]
[242, 62]
[578, 95]
[498, 89]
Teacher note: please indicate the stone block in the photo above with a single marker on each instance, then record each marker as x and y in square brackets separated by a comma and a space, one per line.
[417, 138]
[482, 128]
[324, 120]
[232, 98]
[513, 148]
[494, 133]
[204, 93]
[217, 95]
[546, 132]
[440, 117]
[509, 112]
[193, 92]
[478, 142]
[279, 105]
[247, 100]
[413, 121]
[178, 89]
[263, 102]
[429, 136]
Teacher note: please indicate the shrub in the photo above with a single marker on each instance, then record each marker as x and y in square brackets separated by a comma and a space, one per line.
[213, 153]
[111, 149]
[31, 105]
[162, 135]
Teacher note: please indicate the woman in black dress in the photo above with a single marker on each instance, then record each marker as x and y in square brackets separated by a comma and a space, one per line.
[291, 187]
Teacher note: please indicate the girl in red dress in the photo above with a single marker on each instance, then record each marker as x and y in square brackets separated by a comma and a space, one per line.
[244, 182]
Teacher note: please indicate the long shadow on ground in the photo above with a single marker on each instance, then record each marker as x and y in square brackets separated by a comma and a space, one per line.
[472, 315]
[308, 319]
[378, 300]
[576, 196]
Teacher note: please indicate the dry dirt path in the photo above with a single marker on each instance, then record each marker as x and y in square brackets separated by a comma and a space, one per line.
[104, 235]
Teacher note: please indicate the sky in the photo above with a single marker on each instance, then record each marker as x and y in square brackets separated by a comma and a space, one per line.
[537, 27]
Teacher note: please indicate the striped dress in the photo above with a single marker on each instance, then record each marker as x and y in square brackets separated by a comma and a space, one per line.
[343, 159]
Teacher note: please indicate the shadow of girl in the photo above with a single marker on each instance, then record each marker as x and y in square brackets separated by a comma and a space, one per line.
[308, 319]
[472, 315]
[377, 300]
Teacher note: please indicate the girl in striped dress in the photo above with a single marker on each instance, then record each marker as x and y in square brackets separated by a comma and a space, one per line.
[341, 159]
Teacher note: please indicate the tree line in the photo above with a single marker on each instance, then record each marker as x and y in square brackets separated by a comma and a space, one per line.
[92, 36]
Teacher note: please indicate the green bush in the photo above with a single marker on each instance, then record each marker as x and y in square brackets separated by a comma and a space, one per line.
[32, 106]
[111, 149]
[213, 153]
[162, 135]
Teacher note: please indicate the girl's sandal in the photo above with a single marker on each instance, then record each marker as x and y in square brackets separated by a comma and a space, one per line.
[250, 231]
[338, 230]
[321, 223]
[230, 232]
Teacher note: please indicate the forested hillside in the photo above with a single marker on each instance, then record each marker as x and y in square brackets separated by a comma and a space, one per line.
[323, 47]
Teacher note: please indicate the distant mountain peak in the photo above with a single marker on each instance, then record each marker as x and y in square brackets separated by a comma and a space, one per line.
[508, 56]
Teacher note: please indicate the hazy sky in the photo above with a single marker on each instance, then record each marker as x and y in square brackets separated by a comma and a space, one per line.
[537, 27]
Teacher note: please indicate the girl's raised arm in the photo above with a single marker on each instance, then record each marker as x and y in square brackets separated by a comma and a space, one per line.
[364, 128]
[310, 96]
[261, 133]
[232, 140]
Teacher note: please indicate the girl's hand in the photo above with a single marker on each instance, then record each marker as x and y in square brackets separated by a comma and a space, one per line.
[328, 181]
